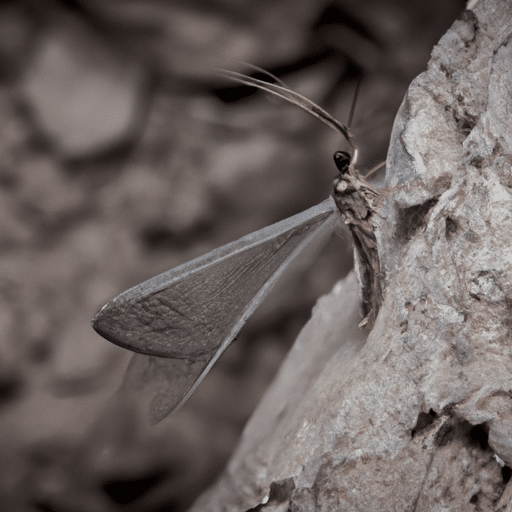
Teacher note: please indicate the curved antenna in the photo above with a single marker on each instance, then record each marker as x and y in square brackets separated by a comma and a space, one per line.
[375, 169]
[277, 80]
[353, 107]
[300, 101]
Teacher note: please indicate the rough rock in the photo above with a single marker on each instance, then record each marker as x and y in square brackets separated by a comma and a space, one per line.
[419, 417]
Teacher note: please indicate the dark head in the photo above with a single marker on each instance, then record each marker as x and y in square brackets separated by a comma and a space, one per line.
[342, 160]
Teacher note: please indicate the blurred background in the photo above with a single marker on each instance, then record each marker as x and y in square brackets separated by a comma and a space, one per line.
[123, 154]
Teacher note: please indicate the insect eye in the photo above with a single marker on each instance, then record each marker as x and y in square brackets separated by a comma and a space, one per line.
[342, 161]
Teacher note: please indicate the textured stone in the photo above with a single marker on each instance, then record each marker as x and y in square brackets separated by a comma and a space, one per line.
[413, 420]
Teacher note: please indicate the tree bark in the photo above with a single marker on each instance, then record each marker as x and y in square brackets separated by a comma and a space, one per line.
[418, 416]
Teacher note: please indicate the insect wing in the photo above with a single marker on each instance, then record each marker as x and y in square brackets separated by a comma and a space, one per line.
[187, 312]
[191, 314]
[162, 383]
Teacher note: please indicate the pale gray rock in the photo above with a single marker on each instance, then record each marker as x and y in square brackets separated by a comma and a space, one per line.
[420, 416]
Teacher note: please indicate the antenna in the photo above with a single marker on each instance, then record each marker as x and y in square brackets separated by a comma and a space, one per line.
[277, 80]
[353, 106]
[375, 169]
[299, 100]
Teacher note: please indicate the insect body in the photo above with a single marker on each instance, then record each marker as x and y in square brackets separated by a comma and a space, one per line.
[189, 315]
[355, 199]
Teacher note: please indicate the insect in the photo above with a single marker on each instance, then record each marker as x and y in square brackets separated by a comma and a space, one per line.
[186, 317]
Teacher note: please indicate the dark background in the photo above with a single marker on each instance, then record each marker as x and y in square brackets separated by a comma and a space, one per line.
[123, 154]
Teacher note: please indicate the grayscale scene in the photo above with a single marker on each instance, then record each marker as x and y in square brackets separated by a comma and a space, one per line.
[255, 256]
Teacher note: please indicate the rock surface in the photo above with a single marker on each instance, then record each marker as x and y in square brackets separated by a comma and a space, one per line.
[419, 418]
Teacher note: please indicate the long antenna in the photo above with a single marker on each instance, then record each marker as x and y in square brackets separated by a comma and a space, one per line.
[277, 80]
[375, 169]
[300, 101]
[353, 107]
